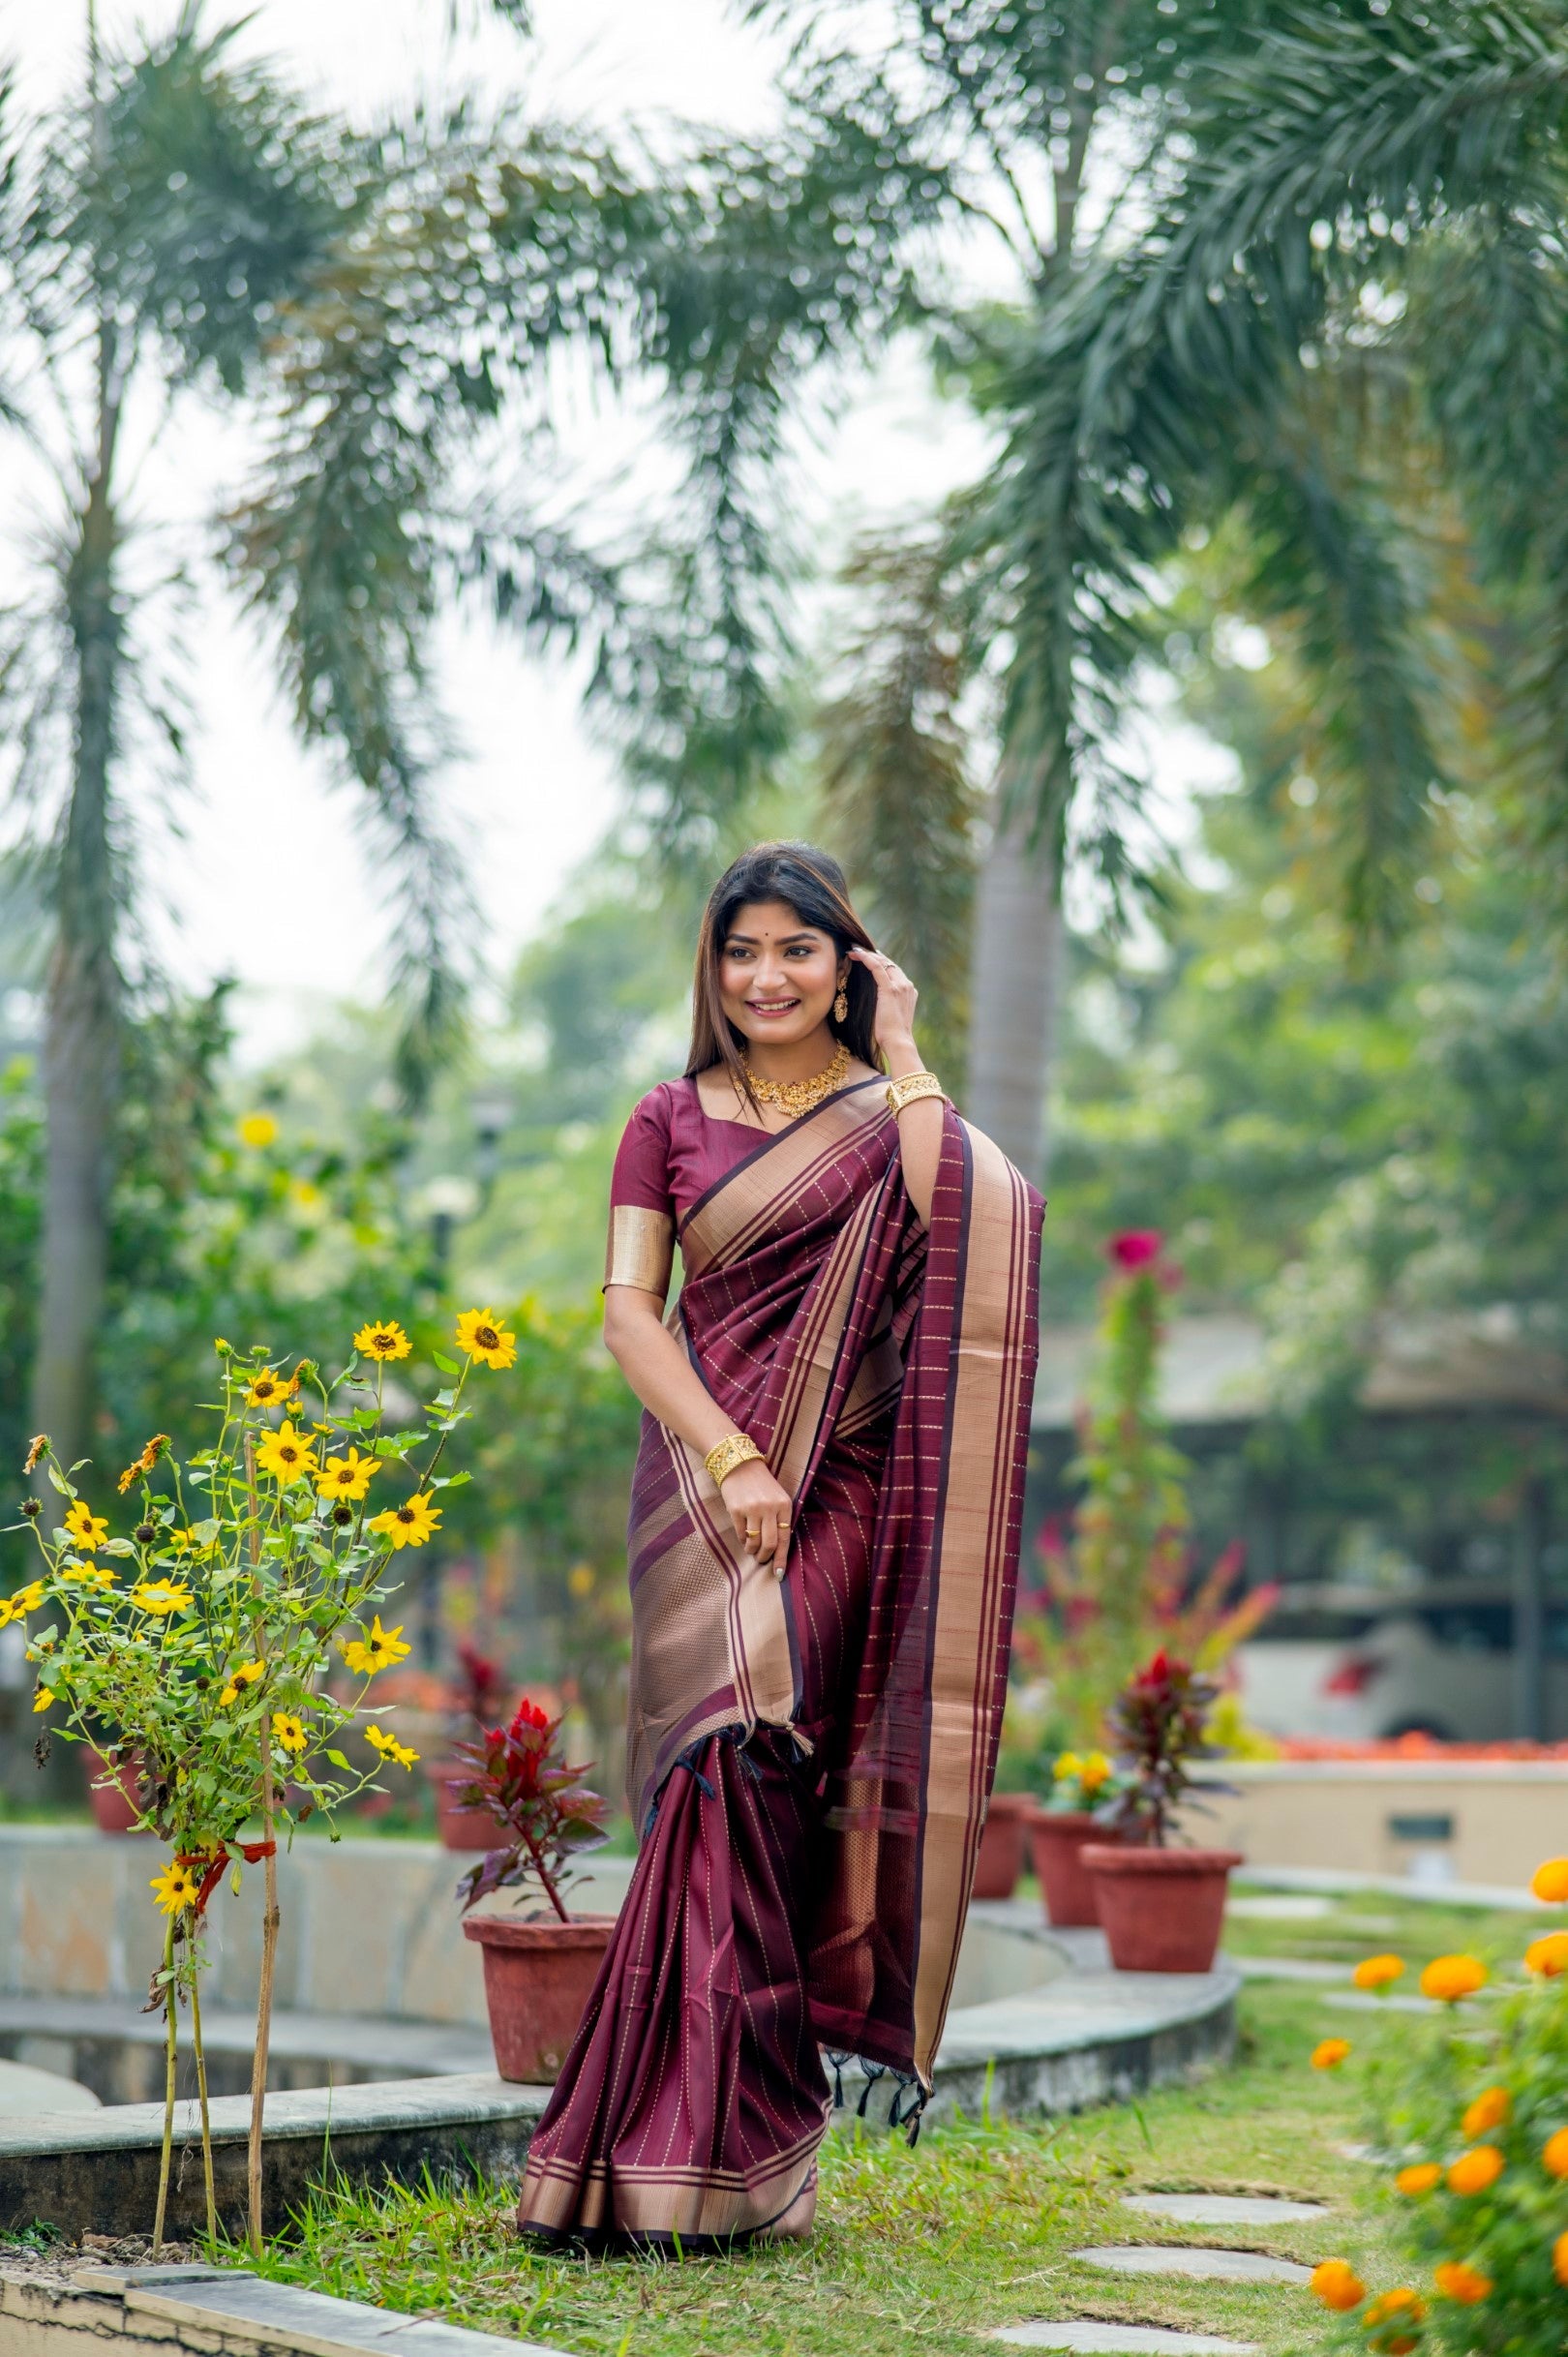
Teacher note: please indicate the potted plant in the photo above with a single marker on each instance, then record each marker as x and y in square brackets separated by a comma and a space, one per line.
[1086, 1788]
[459, 1826]
[115, 1786]
[539, 1968]
[1161, 1907]
[1001, 1857]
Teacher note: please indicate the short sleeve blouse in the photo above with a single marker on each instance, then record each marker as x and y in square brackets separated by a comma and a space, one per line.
[671, 1153]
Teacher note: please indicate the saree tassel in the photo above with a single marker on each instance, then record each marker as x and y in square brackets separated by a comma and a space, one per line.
[838, 2061]
[873, 2072]
[688, 1761]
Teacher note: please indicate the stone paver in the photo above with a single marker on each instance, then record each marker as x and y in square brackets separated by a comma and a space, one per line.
[1203, 2266]
[1224, 2208]
[1109, 2340]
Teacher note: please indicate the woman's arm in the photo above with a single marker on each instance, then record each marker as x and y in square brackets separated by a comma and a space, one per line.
[669, 1388]
[920, 1123]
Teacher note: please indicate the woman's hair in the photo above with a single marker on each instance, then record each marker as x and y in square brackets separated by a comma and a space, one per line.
[813, 884]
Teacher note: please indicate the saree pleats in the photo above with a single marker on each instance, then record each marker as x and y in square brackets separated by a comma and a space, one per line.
[885, 1369]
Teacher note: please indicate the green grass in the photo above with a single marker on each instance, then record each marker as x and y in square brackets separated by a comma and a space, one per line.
[923, 2252]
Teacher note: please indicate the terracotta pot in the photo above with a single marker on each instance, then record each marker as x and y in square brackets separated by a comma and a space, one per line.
[1056, 1842]
[1160, 1909]
[539, 1978]
[112, 1811]
[1002, 1847]
[459, 1829]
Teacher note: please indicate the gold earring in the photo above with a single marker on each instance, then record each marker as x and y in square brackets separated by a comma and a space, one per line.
[840, 1005]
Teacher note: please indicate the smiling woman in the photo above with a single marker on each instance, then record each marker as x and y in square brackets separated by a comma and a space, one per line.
[823, 1545]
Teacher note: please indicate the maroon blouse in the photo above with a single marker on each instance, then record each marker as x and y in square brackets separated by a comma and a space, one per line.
[670, 1154]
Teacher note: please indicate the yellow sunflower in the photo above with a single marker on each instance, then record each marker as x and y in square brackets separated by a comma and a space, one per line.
[27, 1599]
[175, 1889]
[42, 1699]
[483, 1335]
[161, 1597]
[389, 1747]
[382, 1339]
[287, 1455]
[380, 1651]
[257, 1130]
[89, 1575]
[270, 1387]
[245, 1676]
[410, 1525]
[185, 1542]
[84, 1529]
[288, 1734]
[347, 1477]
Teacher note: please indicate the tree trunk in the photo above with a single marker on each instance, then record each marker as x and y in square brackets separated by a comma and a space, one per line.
[1014, 994]
[83, 992]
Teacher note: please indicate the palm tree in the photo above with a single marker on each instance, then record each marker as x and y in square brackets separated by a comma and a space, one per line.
[375, 305]
[1058, 555]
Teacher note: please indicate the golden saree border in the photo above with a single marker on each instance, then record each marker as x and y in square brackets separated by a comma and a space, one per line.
[657, 2203]
[641, 1249]
[971, 1551]
[736, 1212]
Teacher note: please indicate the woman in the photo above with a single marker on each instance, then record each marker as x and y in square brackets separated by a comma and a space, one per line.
[823, 1540]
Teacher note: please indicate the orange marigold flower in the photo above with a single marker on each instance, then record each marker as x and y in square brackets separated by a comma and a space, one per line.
[1376, 1972]
[1451, 1978]
[1554, 2153]
[1421, 2177]
[1329, 2053]
[1549, 1881]
[1399, 2308]
[1559, 2258]
[1549, 1955]
[1481, 2166]
[1457, 2282]
[1338, 2285]
[1491, 2109]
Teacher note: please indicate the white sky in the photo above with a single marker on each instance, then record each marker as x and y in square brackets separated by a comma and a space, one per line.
[270, 882]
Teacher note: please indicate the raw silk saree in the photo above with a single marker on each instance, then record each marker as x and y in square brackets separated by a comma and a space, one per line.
[810, 1759]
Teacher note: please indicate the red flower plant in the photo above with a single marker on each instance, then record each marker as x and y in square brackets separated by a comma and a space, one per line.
[482, 1682]
[1135, 1247]
[546, 1813]
[1157, 1722]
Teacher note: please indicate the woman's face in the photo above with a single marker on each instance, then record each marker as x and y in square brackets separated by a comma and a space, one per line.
[778, 976]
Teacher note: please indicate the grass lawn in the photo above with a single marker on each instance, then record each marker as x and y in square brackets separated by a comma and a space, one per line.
[925, 2250]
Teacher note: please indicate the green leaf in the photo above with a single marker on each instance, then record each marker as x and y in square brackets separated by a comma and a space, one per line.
[337, 1759]
[59, 1480]
[447, 1366]
[117, 1547]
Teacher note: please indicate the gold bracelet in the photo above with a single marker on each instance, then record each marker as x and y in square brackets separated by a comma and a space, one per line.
[910, 1088]
[735, 1448]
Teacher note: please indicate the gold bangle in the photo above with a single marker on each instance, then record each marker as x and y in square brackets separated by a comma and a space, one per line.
[910, 1088]
[735, 1448]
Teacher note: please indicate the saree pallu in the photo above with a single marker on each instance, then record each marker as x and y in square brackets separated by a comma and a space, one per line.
[811, 1759]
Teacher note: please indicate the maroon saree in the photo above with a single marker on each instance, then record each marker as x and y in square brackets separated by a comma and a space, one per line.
[810, 1758]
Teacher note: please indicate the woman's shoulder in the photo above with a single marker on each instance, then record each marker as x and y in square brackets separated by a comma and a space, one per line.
[662, 1106]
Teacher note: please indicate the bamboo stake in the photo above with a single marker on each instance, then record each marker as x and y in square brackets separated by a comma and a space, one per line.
[269, 1916]
[202, 2097]
[170, 2066]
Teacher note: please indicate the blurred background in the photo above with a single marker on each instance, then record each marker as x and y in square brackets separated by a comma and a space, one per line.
[467, 470]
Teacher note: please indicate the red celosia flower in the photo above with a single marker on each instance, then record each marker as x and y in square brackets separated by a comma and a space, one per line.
[1135, 1247]
[530, 1714]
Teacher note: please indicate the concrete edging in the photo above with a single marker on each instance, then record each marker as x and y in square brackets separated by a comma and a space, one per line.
[219, 2312]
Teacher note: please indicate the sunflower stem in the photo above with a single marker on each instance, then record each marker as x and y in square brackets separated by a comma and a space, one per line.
[269, 1915]
[202, 2097]
[170, 2051]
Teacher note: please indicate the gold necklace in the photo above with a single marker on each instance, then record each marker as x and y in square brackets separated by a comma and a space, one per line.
[797, 1097]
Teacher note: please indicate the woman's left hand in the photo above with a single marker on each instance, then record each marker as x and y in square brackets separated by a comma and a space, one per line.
[893, 1025]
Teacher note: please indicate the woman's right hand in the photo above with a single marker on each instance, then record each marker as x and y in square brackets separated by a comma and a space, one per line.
[762, 1511]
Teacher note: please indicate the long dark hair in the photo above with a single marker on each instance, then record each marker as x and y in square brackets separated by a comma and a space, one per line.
[813, 884]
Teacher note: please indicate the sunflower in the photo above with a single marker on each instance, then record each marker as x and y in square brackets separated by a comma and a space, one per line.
[185, 1542]
[42, 1699]
[382, 1339]
[161, 1597]
[245, 1676]
[348, 1476]
[380, 1651]
[410, 1525]
[175, 1889]
[269, 1387]
[288, 1456]
[389, 1747]
[84, 1529]
[89, 1575]
[257, 1130]
[288, 1733]
[27, 1599]
[483, 1335]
